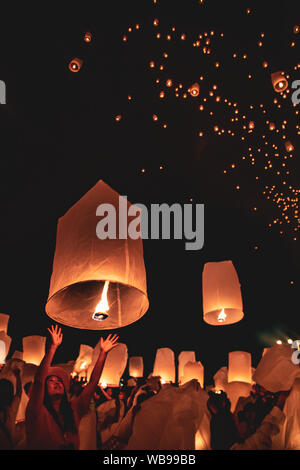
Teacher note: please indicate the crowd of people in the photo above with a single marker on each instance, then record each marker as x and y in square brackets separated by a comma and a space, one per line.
[72, 413]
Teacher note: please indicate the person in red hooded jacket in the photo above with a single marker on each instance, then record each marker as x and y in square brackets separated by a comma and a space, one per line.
[51, 419]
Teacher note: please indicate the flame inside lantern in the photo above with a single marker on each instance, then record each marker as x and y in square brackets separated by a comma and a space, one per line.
[83, 365]
[102, 307]
[222, 316]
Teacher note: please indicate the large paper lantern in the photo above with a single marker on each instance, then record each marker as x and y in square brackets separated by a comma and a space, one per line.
[34, 349]
[136, 366]
[164, 365]
[183, 358]
[193, 370]
[84, 360]
[5, 341]
[114, 367]
[4, 322]
[235, 390]
[221, 379]
[279, 81]
[222, 298]
[97, 284]
[239, 367]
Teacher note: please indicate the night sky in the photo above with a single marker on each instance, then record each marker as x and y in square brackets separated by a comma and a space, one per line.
[59, 136]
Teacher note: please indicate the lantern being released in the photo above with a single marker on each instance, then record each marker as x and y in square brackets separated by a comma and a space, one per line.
[4, 322]
[239, 367]
[279, 81]
[84, 359]
[5, 341]
[164, 365]
[193, 370]
[136, 366]
[222, 299]
[97, 284]
[34, 349]
[183, 358]
[114, 367]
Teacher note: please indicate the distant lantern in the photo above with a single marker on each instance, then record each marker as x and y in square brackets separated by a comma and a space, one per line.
[194, 90]
[75, 64]
[279, 81]
[5, 341]
[296, 29]
[222, 299]
[251, 125]
[114, 367]
[152, 64]
[239, 367]
[4, 322]
[118, 117]
[193, 370]
[164, 365]
[83, 360]
[289, 146]
[265, 64]
[272, 126]
[136, 366]
[169, 82]
[183, 358]
[34, 349]
[88, 37]
[98, 283]
[155, 117]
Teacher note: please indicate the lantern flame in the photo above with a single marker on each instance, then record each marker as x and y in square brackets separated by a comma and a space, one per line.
[83, 365]
[222, 316]
[102, 307]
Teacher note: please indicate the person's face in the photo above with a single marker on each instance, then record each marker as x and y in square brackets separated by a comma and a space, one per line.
[109, 391]
[55, 386]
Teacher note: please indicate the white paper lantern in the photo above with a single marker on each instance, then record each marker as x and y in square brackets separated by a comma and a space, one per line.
[136, 366]
[183, 358]
[164, 365]
[239, 367]
[83, 360]
[235, 390]
[5, 341]
[4, 322]
[221, 379]
[193, 370]
[114, 367]
[222, 298]
[86, 268]
[279, 81]
[34, 349]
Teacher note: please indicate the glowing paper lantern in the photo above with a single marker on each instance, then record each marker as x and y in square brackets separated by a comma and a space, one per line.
[221, 379]
[235, 390]
[239, 367]
[279, 81]
[164, 365]
[98, 284]
[194, 90]
[84, 360]
[88, 37]
[5, 341]
[222, 299]
[4, 322]
[289, 146]
[136, 366]
[193, 370]
[183, 358]
[272, 126]
[34, 349]
[114, 367]
[251, 125]
[75, 64]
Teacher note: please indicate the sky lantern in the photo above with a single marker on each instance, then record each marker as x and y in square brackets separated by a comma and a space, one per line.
[251, 125]
[4, 322]
[279, 81]
[88, 36]
[34, 349]
[272, 126]
[183, 358]
[222, 298]
[5, 341]
[289, 146]
[296, 29]
[194, 90]
[239, 367]
[75, 64]
[164, 365]
[83, 360]
[136, 366]
[221, 379]
[193, 370]
[114, 367]
[98, 283]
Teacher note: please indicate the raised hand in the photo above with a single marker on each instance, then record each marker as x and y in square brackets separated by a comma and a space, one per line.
[56, 335]
[109, 343]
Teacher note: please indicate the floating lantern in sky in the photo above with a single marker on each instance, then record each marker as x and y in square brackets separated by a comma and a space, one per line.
[289, 146]
[75, 64]
[136, 366]
[88, 37]
[272, 126]
[296, 29]
[222, 299]
[169, 82]
[251, 125]
[34, 349]
[94, 278]
[164, 365]
[4, 322]
[279, 81]
[193, 370]
[194, 90]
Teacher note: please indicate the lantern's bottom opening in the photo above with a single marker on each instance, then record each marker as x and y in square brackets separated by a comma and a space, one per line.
[233, 315]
